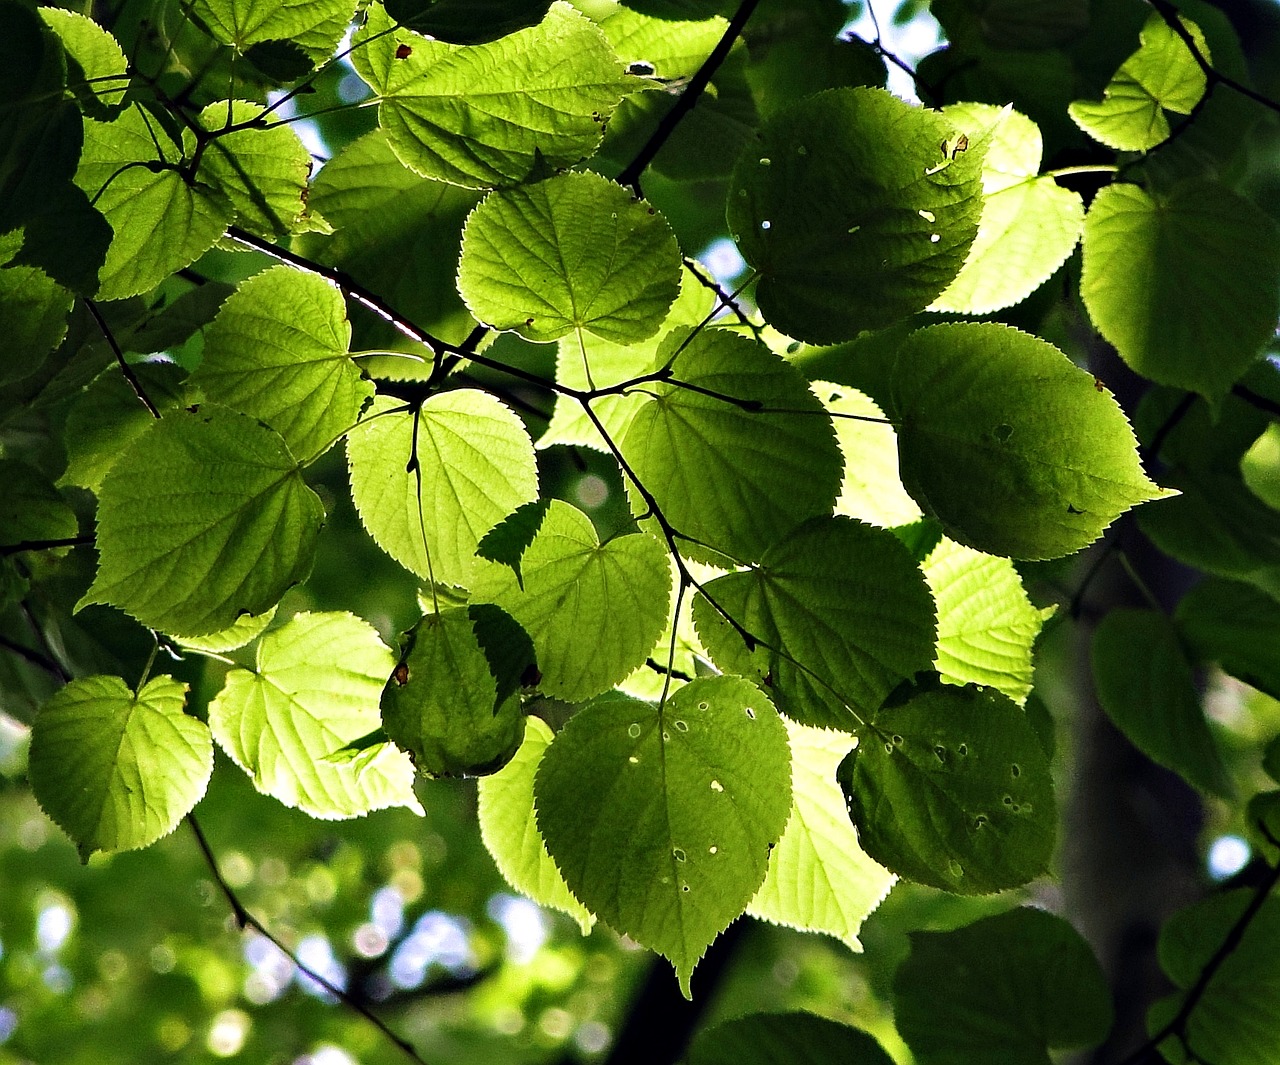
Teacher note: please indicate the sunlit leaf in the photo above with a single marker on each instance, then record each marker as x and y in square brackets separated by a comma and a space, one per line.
[115, 770]
[314, 687]
[685, 801]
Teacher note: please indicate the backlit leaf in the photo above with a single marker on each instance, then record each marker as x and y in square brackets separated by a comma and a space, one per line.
[203, 518]
[315, 26]
[314, 688]
[115, 770]
[684, 802]
[576, 252]
[951, 788]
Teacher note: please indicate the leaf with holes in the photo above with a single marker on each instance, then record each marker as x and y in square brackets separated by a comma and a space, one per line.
[118, 770]
[427, 502]
[661, 818]
[569, 585]
[950, 787]
[313, 689]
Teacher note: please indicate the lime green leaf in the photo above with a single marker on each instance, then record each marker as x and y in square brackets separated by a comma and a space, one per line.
[313, 689]
[987, 626]
[262, 172]
[672, 49]
[574, 252]
[315, 26]
[35, 310]
[594, 611]
[94, 50]
[840, 614]
[115, 770]
[784, 1039]
[1011, 446]
[444, 704]
[204, 517]
[160, 221]
[1236, 1020]
[661, 818]
[108, 416]
[1029, 224]
[1162, 75]
[951, 788]
[396, 232]
[31, 508]
[475, 465]
[278, 350]
[585, 362]
[857, 210]
[819, 880]
[511, 835]
[243, 630]
[1002, 990]
[733, 445]
[1185, 285]
[872, 490]
[1145, 684]
[494, 114]
[1236, 626]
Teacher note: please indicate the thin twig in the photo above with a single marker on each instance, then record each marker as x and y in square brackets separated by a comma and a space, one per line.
[44, 545]
[125, 368]
[246, 920]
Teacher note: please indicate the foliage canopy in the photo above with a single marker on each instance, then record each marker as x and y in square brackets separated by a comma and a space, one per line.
[443, 456]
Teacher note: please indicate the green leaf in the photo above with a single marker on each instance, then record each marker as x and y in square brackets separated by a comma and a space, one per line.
[396, 232]
[872, 490]
[733, 445]
[160, 221]
[278, 351]
[494, 114]
[245, 629]
[1235, 625]
[585, 362]
[661, 817]
[313, 689]
[510, 831]
[839, 613]
[784, 1039]
[819, 880]
[475, 465]
[857, 210]
[261, 171]
[203, 518]
[34, 309]
[1162, 75]
[1011, 446]
[575, 252]
[1029, 224]
[467, 21]
[1145, 684]
[94, 50]
[1186, 285]
[670, 49]
[1236, 1020]
[115, 770]
[31, 508]
[618, 592]
[1002, 991]
[444, 705]
[951, 788]
[314, 26]
[108, 416]
[987, 627]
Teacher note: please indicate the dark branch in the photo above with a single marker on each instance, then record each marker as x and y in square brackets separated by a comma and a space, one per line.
[43, 545]
[245, 920]
[125, 368]
[37, 659]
